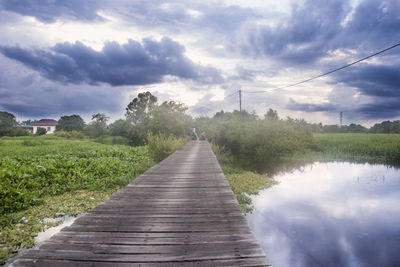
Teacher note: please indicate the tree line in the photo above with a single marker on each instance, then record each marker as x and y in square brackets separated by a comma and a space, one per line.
[144, 114]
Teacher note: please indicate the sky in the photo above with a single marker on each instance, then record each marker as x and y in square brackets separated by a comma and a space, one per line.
[88, 56]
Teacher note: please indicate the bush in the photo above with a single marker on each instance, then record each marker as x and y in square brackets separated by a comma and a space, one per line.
[113, 140]
[70, 135]
[33, 142]
[160, 145]
[41, 131]
[255, 144]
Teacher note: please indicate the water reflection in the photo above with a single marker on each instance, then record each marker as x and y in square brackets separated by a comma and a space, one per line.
[331, 214]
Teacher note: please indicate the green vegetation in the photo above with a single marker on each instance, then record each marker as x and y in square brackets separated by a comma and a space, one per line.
[160, 146]
[70, 123]
[41, 131]
[243, 183]
[373, 148]
[256, 144]
[246, 183]
[31, 221]
[36, 171]
[39, 173]
[49, 166]
[69, 134]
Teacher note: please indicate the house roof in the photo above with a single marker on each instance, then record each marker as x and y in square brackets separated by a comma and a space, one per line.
[45, 122]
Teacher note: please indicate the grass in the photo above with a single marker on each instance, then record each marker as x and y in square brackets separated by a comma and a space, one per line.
[354, 147]
[40, 176]
[161, 145]
[21, 234]
[246, 183]
[242, 182]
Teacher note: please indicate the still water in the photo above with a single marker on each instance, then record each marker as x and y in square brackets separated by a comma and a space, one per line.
[331, 214]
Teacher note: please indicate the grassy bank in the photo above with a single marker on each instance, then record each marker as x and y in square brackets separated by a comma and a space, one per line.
[243, 183]
[353, 147]
[372, 148]
[43, 176]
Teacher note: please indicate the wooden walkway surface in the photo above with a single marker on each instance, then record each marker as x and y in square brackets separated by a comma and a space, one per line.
[181, 212]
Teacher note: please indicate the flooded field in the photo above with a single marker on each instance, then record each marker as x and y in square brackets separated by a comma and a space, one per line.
[331, 214]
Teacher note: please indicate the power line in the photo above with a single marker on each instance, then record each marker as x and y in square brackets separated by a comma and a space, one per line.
[331, 71]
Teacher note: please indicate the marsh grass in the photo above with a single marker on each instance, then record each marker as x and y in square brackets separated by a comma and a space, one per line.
[161, 145]
[354, 147]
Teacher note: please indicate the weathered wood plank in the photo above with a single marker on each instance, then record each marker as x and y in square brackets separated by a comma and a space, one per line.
[180, 212]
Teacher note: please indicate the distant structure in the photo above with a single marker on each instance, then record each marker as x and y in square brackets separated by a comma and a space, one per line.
[48, 124]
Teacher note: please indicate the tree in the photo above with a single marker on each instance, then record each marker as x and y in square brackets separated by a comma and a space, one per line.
[27, 122]
[41, 131]
[100, 118]
[70, 123]
[140, 108]
[170, 119]
[7, 123]
[98, 125]
[120, 128]
[271, 115]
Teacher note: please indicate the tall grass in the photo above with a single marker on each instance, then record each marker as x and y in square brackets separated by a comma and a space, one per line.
[161, 145]
[374, 148]
[255, 144]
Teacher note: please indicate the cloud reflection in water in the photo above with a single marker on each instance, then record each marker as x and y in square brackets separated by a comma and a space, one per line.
[331, 214]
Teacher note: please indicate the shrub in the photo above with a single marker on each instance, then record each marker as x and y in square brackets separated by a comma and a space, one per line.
[41, 131]
[70, 135]
[160, 145]
[255, 144]
[113, 140]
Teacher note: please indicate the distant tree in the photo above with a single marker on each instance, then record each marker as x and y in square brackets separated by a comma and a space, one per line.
[219, 114]
[7, 123]
[100, 118]
[386, 127]
[140, 108]
[354, 128]
[121, 128]
[27, 122]
[41, 131]
[70, 123]
[170, 119]
[271, 115]
[98, 125]
[331, 129]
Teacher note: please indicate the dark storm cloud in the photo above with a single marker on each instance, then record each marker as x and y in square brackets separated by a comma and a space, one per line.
[49, 11]
[373, 80]
[380, 109]
[374, 25]
[304, 36]
[26, 94]
[378, 85]
[127, 64]
[318, 27]
[293, 105]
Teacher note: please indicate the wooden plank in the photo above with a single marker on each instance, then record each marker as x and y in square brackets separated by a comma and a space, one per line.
[253, 261]
[180, 212]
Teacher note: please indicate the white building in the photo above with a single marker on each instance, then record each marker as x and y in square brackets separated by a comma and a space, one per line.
[48, 124]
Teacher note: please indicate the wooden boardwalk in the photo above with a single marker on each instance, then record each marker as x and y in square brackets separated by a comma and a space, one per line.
[181, 212]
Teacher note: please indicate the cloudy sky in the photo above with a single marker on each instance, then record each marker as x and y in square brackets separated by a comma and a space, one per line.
[64, 57]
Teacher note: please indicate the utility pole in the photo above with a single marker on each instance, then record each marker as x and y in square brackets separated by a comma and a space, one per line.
[341, 118]
[240, 100]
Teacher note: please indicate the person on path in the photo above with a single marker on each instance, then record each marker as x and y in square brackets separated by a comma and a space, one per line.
[193, 135]
[203, 136]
